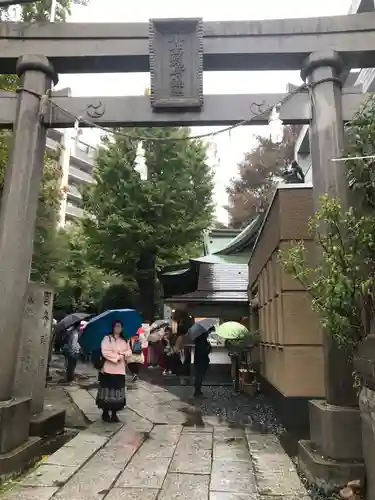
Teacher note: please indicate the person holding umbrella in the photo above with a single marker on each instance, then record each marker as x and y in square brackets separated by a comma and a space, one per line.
[202, 350]
[146, 332]
[61, 328]
[198, 334]
[71, 350]
[106, 337]
[136, 357]
[236, 337]
[111, 393]
[155, 342]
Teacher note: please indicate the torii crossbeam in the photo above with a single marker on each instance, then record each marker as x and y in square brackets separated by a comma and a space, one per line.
[136, 110]
[232, 45]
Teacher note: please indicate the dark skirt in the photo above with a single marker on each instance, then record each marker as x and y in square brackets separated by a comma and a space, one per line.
[134, 368]
[173, 363]
[111, 393]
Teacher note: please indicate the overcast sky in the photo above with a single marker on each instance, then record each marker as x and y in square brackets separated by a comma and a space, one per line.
[230, 148]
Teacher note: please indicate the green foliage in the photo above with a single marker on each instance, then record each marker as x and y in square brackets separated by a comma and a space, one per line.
[40, 11]
[119, 297]
[361, 135]
[8, 83]
[80, 287]
[48, 255]
[135, 225]
[165, 214]
[342, 284]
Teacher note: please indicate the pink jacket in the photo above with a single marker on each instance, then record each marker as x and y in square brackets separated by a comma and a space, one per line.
[115, 352]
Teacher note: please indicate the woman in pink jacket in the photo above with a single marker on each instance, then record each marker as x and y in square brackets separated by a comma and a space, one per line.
[111, 393]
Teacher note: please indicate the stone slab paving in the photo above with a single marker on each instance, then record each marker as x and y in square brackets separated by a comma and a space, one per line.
[275, 472]
[162, 451]
[84, 401]
[30, 493]
[132, 494]
[184, 486]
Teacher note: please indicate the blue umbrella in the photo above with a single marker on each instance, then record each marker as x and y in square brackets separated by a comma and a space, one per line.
[100, 326]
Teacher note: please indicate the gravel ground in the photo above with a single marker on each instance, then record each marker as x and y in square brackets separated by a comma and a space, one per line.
[236, 409]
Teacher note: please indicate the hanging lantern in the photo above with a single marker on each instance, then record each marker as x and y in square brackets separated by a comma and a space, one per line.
[140, 162]
[276, 127]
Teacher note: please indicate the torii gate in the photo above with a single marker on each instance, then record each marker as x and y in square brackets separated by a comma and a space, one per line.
[176, 52]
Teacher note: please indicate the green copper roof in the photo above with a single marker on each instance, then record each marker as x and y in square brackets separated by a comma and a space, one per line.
[217, 239]
[243, 241]
[231, 241]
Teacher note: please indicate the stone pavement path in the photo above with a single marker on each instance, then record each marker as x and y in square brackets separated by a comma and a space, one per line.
[162, 451]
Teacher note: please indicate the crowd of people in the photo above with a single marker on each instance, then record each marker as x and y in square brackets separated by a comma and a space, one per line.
[164, 348]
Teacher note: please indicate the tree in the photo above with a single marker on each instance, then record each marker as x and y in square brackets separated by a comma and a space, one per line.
[132, 224]
[40, 10]
[79, 286]
[119, 297]
[49, 247]
[250, 192]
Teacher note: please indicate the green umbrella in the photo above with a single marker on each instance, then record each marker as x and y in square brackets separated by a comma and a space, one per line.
[231, 330]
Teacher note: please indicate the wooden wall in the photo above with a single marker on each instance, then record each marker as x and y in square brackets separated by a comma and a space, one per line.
[291, 340]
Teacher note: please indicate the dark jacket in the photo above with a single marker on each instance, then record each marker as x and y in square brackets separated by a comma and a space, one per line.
[202, 351]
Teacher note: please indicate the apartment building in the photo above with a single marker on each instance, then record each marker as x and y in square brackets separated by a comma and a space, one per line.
[77, 161]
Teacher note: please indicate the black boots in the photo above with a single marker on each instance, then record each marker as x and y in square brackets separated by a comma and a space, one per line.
[105, 416]
[114, 417]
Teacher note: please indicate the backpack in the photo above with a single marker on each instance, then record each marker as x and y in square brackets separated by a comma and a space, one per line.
[136, 347]
[97, 359]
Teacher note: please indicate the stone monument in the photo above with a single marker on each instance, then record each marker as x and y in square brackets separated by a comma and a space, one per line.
[31, 371]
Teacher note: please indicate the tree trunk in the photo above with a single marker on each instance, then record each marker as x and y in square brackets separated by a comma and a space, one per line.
[146, 269]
